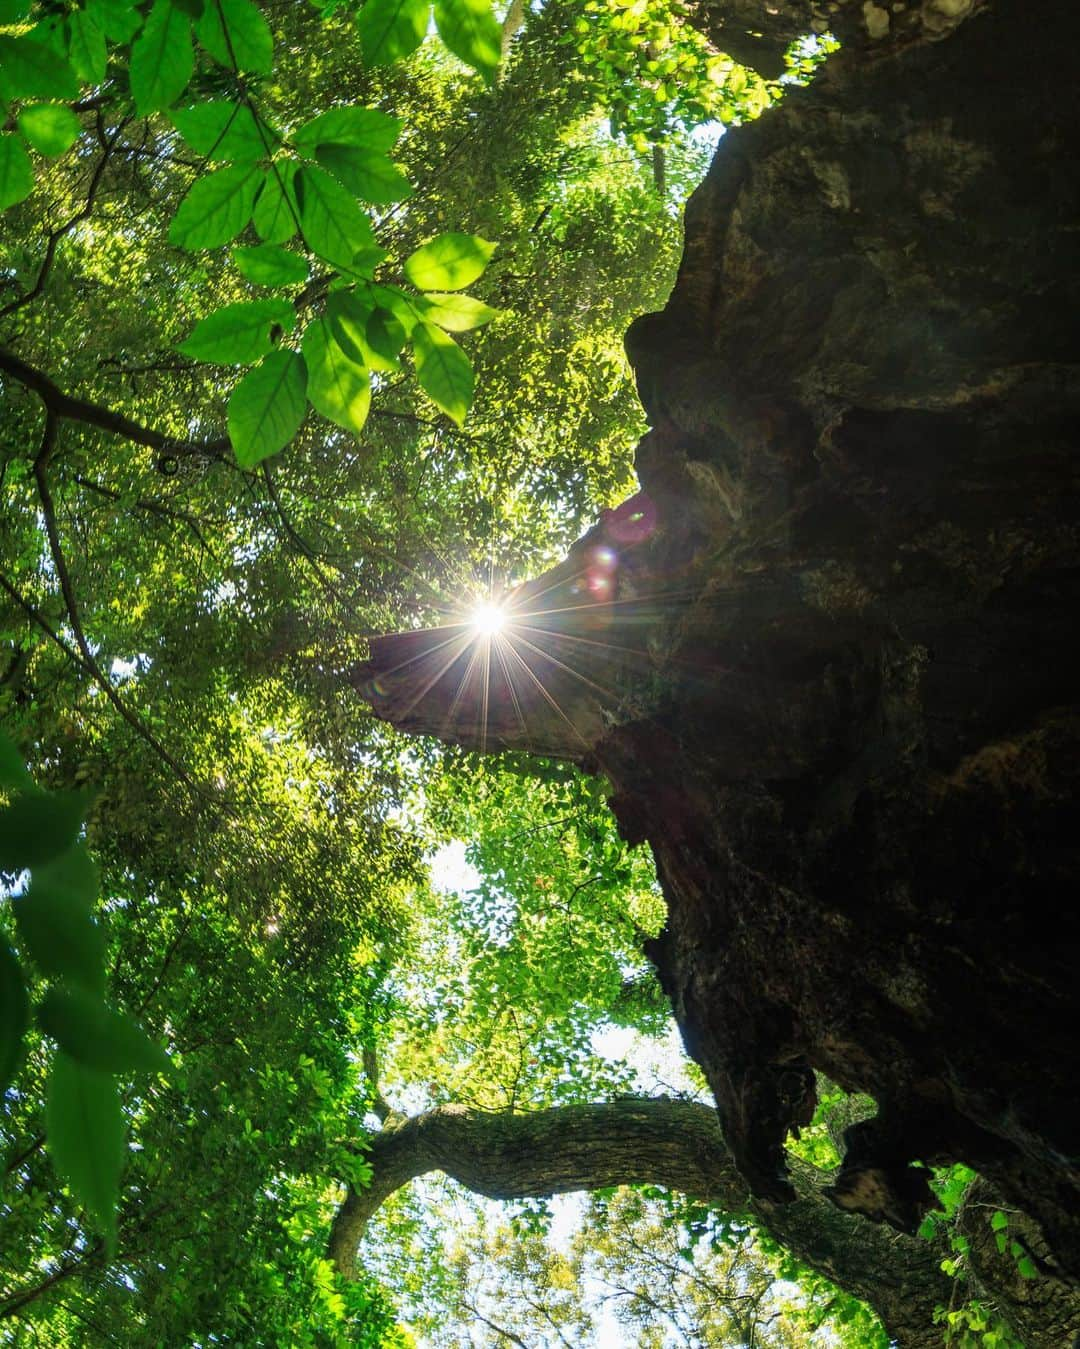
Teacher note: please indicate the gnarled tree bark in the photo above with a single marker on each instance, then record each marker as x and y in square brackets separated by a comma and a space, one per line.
[829, 657]
[678, 1144]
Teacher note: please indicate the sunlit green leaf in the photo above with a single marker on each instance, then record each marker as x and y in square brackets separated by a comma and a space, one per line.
[221, 130]
[471, 31]
[236, 35]
[162, 59]
[216, 208]
[267, 407]
[364, 128]
[443, 370]
[390, 30]
[334, 226]
[97, 1036]
[349, 314]
[84, 1132]
[86, 45]
[118, 19]
[16, 171]
[238, 333]
[269, 265]
[367, 174]
[55, 922]
[51, 128]
[30, 68]
[456, 313]
[449, 262]
[277, 215]
[337, 386]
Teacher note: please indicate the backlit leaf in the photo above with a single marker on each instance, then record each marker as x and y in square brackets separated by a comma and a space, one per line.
[449, 262]
[84, 1132]
[162, 59]
[349, 313]
[276, 217]
[239, 333]
[216, 208]
[364, 128]
[471, 31]
[443, 370]
[367, 174]
[334, 226]
[16, 171]
[456, 313]
[224, 130]
[267, 407]
[337, 386]
[30, 68]
[97, 1036]
[269, 265]
[85, 45]
[236, 35]
[390, 30]
[51, 128]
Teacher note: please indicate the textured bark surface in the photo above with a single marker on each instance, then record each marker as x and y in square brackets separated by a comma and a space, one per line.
[657, 1141]
[828, 659]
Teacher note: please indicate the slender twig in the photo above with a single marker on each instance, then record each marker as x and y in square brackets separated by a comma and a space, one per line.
[82, 214]
[147, 504]
[41, 464]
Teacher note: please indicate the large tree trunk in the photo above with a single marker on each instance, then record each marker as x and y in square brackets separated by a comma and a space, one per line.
[678, 1144]
[828, 658]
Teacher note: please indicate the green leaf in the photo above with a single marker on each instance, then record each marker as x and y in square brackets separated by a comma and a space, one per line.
[84, 1131]
[456, 313]
[998, 1221]
[449, 262]
[51, 128]
[1027, 1269]
[216, 208]
[222, 130]
[365, 260]
[443, 370]
[267, 407]
[162, 59]
[390, 30]
[86, 46]
[276, 212]
[349, 314]
[30, 68]
[11, 11]
[337, 387]
[334, 226]
[269, 265]
[36, 827]
[55, 922]
[13, 771]
[14, 1015]
[237, 36]
[363, 128]
[386, 335]
[471, 31]
[119, 19]
[16, 171]
[404, 307]
[97, 1036]
[367, 174]
[239, 333]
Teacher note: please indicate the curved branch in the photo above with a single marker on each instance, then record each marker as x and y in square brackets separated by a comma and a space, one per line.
[65, 407]
[647, 1140]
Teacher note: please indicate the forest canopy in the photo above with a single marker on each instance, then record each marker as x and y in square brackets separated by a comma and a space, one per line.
[310, 330]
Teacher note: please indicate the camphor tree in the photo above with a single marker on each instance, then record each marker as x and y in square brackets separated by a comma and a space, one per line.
[253, 257]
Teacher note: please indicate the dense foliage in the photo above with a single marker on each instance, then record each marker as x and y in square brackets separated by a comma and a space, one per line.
[310, 327]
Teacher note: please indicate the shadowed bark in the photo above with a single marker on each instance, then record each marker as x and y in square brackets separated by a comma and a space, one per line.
[678, 1144]
[828, 658]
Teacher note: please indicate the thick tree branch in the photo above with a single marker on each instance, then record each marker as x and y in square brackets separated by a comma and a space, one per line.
[65, 407]
[647, 1140]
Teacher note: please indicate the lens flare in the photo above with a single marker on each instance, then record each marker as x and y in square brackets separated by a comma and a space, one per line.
[487, 620]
